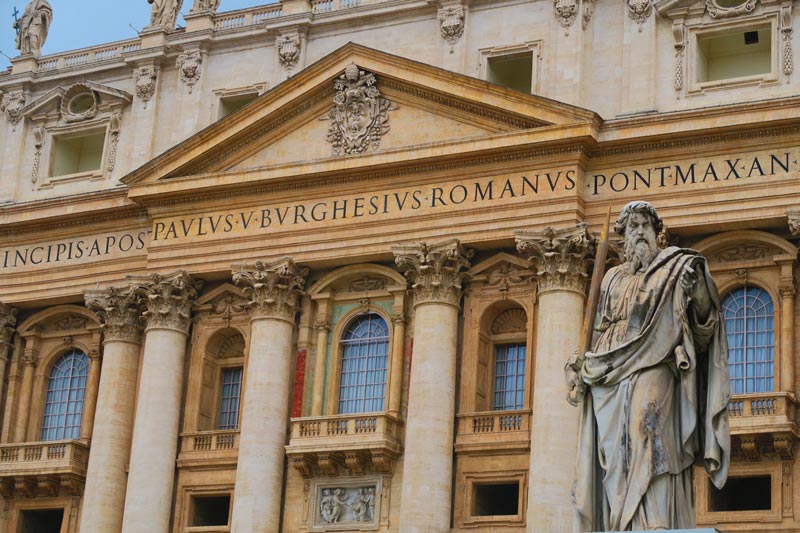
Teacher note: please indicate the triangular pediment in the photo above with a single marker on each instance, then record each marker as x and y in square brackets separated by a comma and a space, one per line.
[56, 99]
[406, 106]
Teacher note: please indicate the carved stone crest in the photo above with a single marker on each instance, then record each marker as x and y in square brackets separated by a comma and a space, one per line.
[227, 306]
[189, 67]
[145, 81]
[78, 103]
[715, 10]
[639, 10]
[288, 47]
[566, 11]
[12, 105]
[360, 115]
[451, 23]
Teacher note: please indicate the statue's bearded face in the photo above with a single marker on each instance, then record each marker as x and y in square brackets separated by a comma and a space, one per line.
[640, 241]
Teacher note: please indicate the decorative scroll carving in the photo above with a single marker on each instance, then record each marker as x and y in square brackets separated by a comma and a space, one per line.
[750, 448]
[741, 252]
[38, 143]
[715, 10]
[78, 103]
[25, 486]
[227, 306]
[47, 485]
[120, 311]
[794, 221]
[560, 257]
[113, 132]
[383, 462]
[679, 36]
[7, 487]
[274, 289]
[69, 322]
[785, 23]
[640, 10]
[189, 67]
[511, 321]
[303, 464]
[505, 276]
[451, 23]
[356, 461]
[145, 80]
[367, 284]
[435, 271]
[360, 115]
[329, 463]
[8, 321]
[168, 299]
[12, 105]
[784, 445]
[288, 47]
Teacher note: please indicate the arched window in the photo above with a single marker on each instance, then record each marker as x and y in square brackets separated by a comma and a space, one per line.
[750, 327]
[365, 354]
[508, 336]
[66, 388]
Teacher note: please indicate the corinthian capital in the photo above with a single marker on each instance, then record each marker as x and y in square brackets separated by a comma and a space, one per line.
[8, 320]
[794, 220]
[560, 257]
[435, 271]
[168, 299]
[120, 311]
[274, 289]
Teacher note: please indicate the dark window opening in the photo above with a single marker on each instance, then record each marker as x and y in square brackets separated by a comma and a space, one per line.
[229, 104]
[41, 521]
[210, 510]
[741, 494]
[514, 71]
[495, 499]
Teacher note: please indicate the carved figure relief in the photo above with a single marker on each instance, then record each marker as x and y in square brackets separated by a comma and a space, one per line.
[33, 27]
[145, 81]
[78, 103]
[332, 505]
[12, 105]
[360, 115]
[164, 13]
[640, 10]
[189, 70]
[205, 6]
[344, 505]
[288, 47]
[451, 23]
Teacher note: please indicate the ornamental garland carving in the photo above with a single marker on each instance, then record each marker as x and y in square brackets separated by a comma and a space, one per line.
[38, 143]
[367, 284]
[715, 10]
[168, 299]
[227, 306]
[360, 115]
[560, 257]
[274, 289]
[436, 271]
[113, 132]
[189, 67]
[8, 321]
[679, 37]
[145, 81]
[785, 23]
[640, 10]
[741, 252]
[77, 92]
[288, 47]
[12, 105]
[451, 23]
[120, 311]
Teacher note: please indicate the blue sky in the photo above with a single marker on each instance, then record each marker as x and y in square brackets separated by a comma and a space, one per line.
[79, 23]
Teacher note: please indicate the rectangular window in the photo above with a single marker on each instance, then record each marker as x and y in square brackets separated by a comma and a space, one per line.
[509, 377]
[41, 521]
[514, 71]
[229, 398]
[495, 499]
[230, 104]
[740, 54]
[752, 493]
[210, 510]
[78, 153]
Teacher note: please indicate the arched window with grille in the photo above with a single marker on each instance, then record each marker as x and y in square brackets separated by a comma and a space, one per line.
[750, 328]
[365, 355]
[66, 389]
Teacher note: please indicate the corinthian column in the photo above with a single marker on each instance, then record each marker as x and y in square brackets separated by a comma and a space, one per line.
[274, 290]
[155, 432]
[435, 272]
[120, 311]
[559, 258]
[8, 320]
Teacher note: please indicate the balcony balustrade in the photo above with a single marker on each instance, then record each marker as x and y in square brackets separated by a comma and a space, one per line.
[209, 448]
[764, 420]
[42, 468]
[493, 430]
[350, 441]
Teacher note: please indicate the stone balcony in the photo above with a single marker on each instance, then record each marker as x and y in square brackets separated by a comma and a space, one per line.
[764, 421]
[355, 442]
[493, 431]
[215, 448]
[43, 468]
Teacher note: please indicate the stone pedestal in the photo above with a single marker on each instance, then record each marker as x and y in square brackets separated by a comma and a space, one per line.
[155, 434]
[560, 260]
[104, 496]
[274, 291]
[436, 273]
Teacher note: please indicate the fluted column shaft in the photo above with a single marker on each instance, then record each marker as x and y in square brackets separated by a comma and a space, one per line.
[25, 391]
[106, 479]
[8, 321]
[148, 501]
[90, 405]
[318, 392]
[396, 373]
[436, 273]
[787, 293]
[274, 290]
[560, 261]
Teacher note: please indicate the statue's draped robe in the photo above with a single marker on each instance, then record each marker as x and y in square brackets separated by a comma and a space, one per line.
[657, 401]
[34, 26]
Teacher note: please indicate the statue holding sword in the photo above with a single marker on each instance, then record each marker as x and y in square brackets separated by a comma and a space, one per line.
[652, 384]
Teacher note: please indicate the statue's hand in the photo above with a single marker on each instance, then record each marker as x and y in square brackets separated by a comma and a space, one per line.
[576, 389]
[693, 284]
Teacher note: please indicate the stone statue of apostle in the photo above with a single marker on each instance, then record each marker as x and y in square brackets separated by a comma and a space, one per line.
[164, 13]
[33, 27]
[655, 388]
